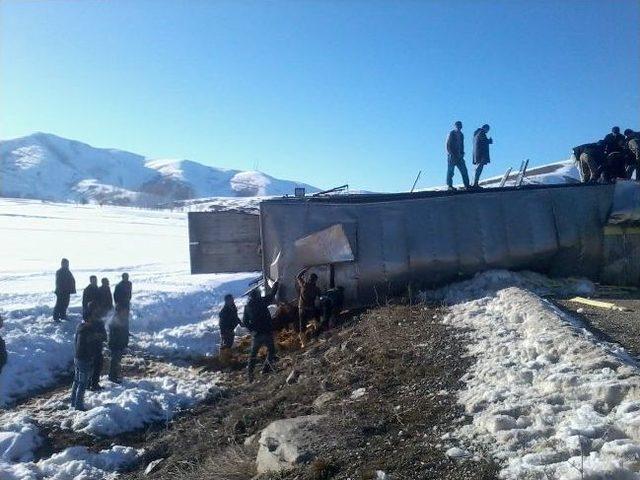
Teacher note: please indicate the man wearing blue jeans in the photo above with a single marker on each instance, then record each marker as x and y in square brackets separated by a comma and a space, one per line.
[85, 344]
[455, 156]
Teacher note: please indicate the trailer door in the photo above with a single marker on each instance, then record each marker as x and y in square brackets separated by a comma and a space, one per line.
[224, 242]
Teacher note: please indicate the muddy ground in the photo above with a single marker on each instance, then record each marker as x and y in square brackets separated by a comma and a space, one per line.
[409, 365]
[621, 327]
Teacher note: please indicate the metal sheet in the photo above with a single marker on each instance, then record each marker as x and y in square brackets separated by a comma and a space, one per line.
[431, 238]
[224, 242]
[621, 265]
[327, 246]
[626, 203]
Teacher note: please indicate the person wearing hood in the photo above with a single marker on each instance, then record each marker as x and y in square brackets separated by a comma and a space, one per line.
[481, 151]
[65, 287]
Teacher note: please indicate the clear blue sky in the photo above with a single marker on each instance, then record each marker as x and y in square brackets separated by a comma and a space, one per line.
[326, 92]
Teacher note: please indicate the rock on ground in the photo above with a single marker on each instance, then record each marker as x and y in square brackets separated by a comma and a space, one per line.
[287, 443]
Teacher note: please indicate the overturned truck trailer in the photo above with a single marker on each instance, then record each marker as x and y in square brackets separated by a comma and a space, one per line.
[379, 245]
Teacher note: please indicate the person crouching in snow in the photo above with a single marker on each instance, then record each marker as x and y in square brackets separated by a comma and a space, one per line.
[85, 343]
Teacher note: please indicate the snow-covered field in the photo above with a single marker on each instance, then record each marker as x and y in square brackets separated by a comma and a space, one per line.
[547, 398]
[174, 315]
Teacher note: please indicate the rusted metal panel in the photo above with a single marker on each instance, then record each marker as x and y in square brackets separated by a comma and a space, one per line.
[224, 242]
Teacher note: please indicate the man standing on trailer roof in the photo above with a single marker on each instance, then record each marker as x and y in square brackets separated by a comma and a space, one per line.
[455, 156]
[481, 151]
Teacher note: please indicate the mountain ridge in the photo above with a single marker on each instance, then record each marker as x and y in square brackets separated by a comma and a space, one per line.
[49, 167]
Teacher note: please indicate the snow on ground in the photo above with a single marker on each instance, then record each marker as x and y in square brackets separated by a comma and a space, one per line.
[546, 397]
[174, 313]
[118, 408]
[75, 463]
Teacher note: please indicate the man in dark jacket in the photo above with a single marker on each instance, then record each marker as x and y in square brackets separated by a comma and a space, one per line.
[122, 293]
[105, 299]
[103, 308]
[455, 156]
[89, 295]
[614, 141]
[308, 293]
[590, 158]
[257, 320]
[481, 151]
[85, 342]
[65, 286]
[119, 327]
[118, 343]
[633, 145]
[228, 322]
[3, 349]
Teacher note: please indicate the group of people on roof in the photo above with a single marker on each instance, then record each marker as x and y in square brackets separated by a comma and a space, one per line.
[616, 156]
[455, 154]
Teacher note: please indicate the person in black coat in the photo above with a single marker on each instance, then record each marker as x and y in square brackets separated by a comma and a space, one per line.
[65, 287]
[89, 295]
[590, 158]
[633, 146]
[89, 336]
[455, 156]
[228, 322]
[481, 151]
[104, 305]
[257, 320]
[119, 327]
[614, 141]
[122, 293]
[105, 299]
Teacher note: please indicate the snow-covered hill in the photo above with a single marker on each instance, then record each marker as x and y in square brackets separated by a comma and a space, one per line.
[48, 167]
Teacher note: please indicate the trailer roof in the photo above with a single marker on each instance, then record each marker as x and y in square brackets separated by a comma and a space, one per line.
[389, 197]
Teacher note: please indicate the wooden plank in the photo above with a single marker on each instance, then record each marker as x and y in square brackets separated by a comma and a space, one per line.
[598, 303]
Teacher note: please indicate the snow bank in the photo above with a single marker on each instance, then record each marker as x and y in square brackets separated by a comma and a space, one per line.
[19, 438]
[487, 283]
[546, 398]
[136, 403]
[75, 463]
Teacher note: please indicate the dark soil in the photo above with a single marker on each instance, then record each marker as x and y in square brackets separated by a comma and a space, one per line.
[621, 327]
[409, 365]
